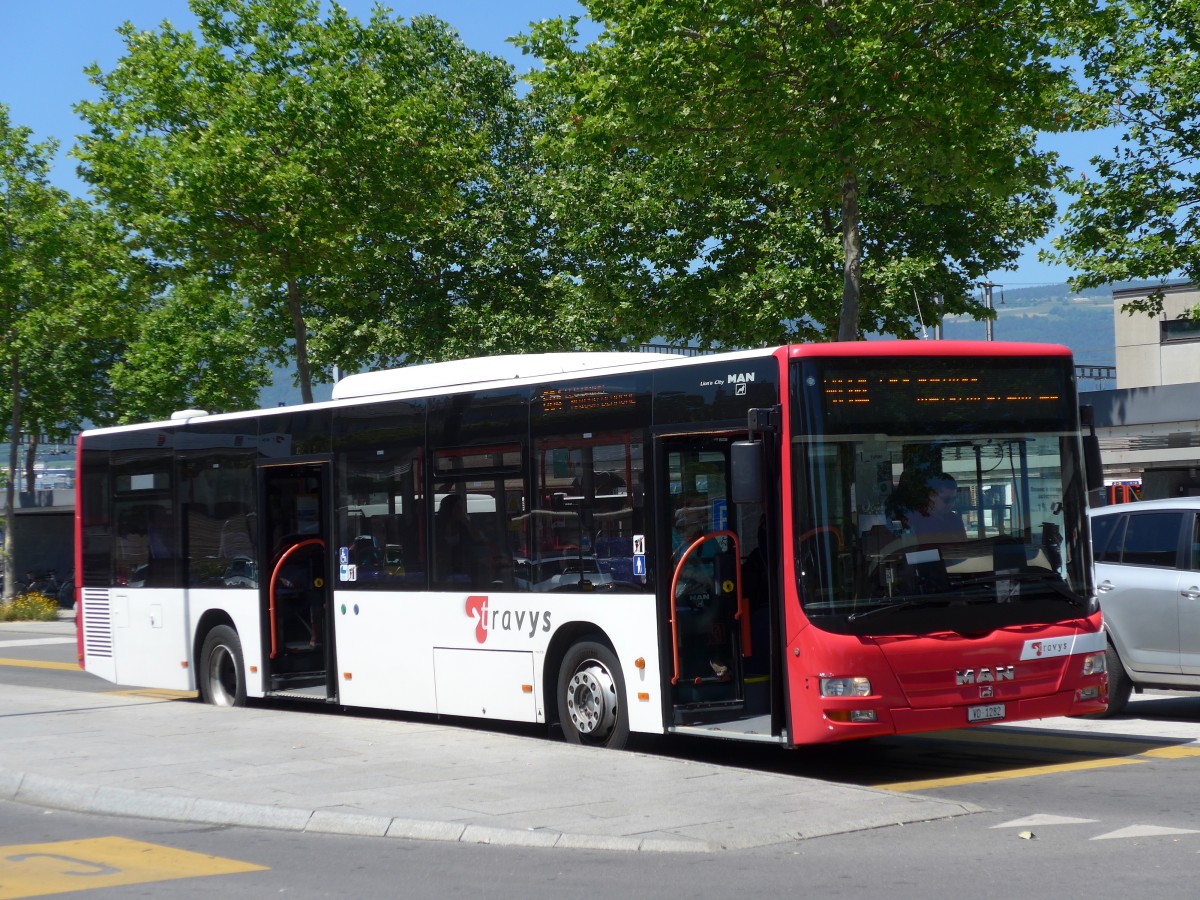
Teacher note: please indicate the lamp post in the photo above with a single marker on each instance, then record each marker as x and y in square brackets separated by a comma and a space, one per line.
[988, 324]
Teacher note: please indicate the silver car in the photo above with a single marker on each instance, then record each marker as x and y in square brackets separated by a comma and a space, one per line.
[1147, 557]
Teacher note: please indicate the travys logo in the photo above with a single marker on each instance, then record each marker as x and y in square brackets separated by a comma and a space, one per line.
[1044, 648]
[1064, 645]
[478, 607]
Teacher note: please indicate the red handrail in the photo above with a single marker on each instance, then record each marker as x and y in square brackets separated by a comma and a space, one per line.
[823, 529]
[283, 557]
[743, 609]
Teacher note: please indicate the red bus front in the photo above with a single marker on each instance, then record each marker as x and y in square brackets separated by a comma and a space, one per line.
[939, 572]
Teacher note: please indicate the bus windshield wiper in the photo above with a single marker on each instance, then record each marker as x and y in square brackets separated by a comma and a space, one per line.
[910, 603]
[1051, 580]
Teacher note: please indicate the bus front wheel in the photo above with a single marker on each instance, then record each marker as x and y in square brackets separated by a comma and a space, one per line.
[591, 697]
[222, 674]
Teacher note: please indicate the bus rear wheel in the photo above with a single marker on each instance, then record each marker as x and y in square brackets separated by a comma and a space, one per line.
[591, 697]
[222, 678]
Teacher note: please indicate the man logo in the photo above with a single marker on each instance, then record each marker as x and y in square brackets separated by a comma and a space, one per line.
[985, 675]
[739, 380]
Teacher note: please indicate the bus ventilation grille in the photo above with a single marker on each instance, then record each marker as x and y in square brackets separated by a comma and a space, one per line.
[97, 623]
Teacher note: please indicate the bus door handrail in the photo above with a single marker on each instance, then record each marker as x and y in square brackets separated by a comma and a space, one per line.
[283, 557]
[743, 610]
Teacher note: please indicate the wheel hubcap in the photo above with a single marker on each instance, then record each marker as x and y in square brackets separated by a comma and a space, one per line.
[592, 700]
[222, 677]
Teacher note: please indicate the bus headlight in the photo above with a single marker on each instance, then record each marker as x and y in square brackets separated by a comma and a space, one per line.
[846, 687]
[1095, 663]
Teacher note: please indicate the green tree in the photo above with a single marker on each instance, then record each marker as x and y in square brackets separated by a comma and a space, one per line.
[64, 385]
[1138, 215]
[65, 277]
[333, 176]
[481, 278]
[195, 347]
[808, 149]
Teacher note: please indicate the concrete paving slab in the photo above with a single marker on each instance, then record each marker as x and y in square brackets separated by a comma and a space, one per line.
[293, 770]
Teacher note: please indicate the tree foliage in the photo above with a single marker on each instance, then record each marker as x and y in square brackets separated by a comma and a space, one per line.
[1138, 215]
[356, 186]
[805, 167]
[212, 362]
[67, 282]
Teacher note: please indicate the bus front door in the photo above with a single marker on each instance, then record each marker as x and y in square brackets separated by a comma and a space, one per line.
[295, 587]
[708, 584]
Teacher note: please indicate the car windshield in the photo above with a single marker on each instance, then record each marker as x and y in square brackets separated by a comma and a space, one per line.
[900, 532]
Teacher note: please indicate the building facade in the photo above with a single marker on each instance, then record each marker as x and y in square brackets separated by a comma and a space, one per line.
[1149, 426]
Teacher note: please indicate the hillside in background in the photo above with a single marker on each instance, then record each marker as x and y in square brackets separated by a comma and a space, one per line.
[1055, 314]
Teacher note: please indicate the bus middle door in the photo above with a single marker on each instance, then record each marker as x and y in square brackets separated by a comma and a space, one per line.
[703, 581]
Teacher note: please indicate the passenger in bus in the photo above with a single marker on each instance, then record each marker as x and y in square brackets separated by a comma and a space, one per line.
[1052, 545]
[462, 551]
[926, 507]
[160, 547]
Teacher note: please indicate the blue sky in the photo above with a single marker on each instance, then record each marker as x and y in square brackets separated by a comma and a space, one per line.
[45, 44]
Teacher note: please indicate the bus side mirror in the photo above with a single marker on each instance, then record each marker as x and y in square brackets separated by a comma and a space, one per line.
[746, 464]
[1093, 465]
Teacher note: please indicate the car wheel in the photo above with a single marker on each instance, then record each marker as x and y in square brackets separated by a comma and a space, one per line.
[591, 697]
[1119, 685]
[222, 679]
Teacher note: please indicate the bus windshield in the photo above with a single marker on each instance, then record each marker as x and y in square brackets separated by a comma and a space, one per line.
[918, 512]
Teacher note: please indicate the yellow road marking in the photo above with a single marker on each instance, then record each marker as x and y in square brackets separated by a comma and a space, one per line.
[36, 870]
[156, 693]
[1125, 752]
[1184, 751]
[40, 664]
[1008, 774]
[1039, 740]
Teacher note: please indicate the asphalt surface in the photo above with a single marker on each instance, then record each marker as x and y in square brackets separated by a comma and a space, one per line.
[153, 756]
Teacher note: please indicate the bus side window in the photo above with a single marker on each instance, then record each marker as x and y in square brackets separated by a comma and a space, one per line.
[587, 512]
[461, 547]
[380, 473]
[146, 549]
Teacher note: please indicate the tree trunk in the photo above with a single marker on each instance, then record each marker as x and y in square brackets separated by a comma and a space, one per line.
[301, 335]
[31, 450]
[10, 575]
[851, 258]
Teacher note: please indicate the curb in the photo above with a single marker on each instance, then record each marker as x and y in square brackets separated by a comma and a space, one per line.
[40, 790]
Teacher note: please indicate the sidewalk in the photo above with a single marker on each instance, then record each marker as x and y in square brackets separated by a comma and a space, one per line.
[142, 755]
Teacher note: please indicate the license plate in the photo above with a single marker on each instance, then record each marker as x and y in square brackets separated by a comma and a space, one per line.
[985, 713]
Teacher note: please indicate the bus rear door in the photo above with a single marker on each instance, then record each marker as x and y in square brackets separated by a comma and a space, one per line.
[295, 587]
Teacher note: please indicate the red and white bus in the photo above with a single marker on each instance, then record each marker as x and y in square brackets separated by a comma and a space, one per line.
[732, 545]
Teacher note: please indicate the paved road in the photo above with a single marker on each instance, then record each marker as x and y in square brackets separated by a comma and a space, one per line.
[149, 754]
